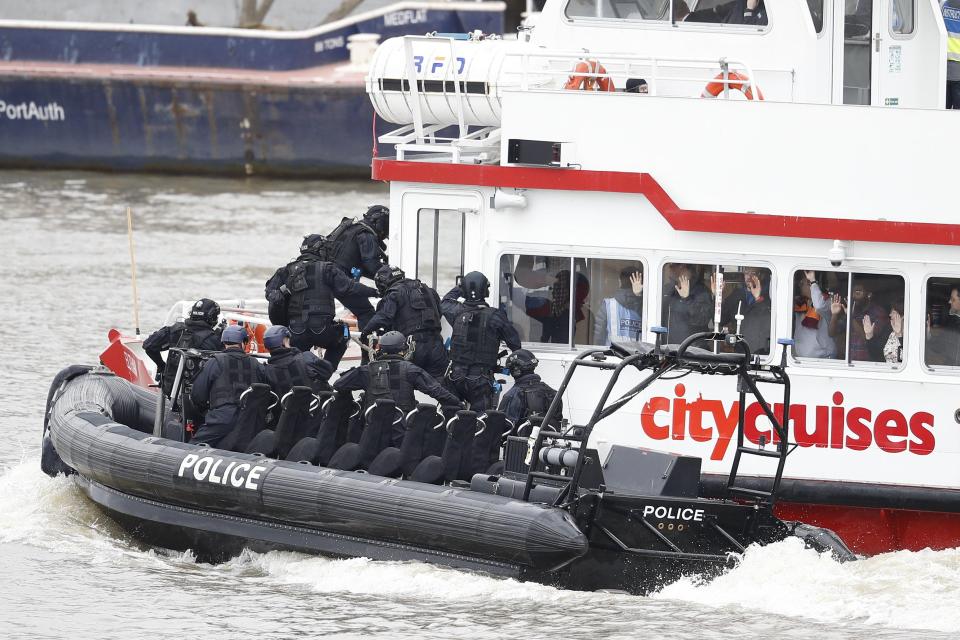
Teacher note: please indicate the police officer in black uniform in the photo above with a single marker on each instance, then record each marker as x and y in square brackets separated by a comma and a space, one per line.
[218, 387]
[392, 377]
[359, 244]
[413, 309]
[289, 367]
[307, 286]
[196, 332]
[478, 330]
[530, 396]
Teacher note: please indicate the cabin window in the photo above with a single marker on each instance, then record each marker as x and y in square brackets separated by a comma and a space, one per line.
[536, 295]
[816, 13]
[690, 302]
[722, 12]
[942, 341]
[440, 247]
[614, 308]
[852, 317]
[901, 17]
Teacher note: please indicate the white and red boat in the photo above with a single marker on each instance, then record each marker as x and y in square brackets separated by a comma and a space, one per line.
[839, 163]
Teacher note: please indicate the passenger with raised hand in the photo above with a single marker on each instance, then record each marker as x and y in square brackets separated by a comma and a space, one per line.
[391, 377]
[289, 367]
[688, 308]
[478, 330]
[218, 387]
[412, 308]
[619, 316]
[305, 290]
[811, 311]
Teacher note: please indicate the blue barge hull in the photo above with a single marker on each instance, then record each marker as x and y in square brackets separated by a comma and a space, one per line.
[185, 127]
[201, 100]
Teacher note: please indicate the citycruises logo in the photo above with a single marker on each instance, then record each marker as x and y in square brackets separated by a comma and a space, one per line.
[32, 111]
[832, 426]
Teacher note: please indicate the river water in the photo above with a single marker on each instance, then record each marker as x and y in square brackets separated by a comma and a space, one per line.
[67, 571]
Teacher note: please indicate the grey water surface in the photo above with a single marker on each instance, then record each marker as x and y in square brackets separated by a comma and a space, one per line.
[67, 571]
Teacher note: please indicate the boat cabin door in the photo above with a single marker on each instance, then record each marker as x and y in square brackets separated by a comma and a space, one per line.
[889, 54]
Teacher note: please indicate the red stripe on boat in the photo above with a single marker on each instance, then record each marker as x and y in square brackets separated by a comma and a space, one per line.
[680, 219]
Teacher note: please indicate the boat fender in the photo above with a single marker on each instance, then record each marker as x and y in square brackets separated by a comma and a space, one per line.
[736, 81]
[559, 457]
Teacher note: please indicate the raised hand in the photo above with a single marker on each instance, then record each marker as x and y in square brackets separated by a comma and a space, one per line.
[836, 304]
[753, 286]
[868, 327]
[636, 282]
[896, 322]
[683, 285]
[810, 275]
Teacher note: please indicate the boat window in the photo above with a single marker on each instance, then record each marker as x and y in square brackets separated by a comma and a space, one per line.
[857, 56]
[614, 306]
[726, 12]
[619, 9]
[536, 294]
[942, 342]
[440, 247]
[901, 17]
[855, 317]
[690, 302]
[816, 13]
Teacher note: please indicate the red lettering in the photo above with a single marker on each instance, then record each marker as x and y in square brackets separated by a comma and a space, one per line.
[750, 431]
[890, 424]
[858, 422]
[925, 440]
[726, 426]
[679, 412]
[836, 422]
[648, 418]
[820, 434]
[695, 410]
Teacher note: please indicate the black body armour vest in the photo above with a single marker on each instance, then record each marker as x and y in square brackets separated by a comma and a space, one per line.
[473, 341]
[419, 311]
[287, 375]
[537, 397]
[309, 292]
[388, 381]
[238, 371]
[342, 245]
[193, 335]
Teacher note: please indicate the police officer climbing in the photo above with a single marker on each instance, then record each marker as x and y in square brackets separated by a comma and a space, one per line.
[196, 332]
[303, 292]
[478, 330]
[289, 367]
[392, 377]
[218, 387]
[530, 397]
[360, 245]
[412, 308]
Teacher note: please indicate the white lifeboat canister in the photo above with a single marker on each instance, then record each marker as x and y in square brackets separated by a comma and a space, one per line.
[438, 64]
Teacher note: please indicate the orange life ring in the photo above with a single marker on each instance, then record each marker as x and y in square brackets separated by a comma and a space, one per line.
[589, 83]
[735, 80]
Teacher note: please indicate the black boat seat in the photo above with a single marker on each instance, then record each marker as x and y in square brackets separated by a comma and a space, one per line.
[418, 442]
[298, 407]
[381, 419]
[332, 434]
[454, 462]
[493, 427]
[307, 450]
[255, 402]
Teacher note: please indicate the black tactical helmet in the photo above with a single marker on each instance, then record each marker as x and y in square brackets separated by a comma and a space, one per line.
[378, 218]
[206, 310]
[313, 243]
[386, 276]
[521, 362]
[475, 286]
[392, 342]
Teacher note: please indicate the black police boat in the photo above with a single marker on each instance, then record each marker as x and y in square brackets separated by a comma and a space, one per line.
[326, 479]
